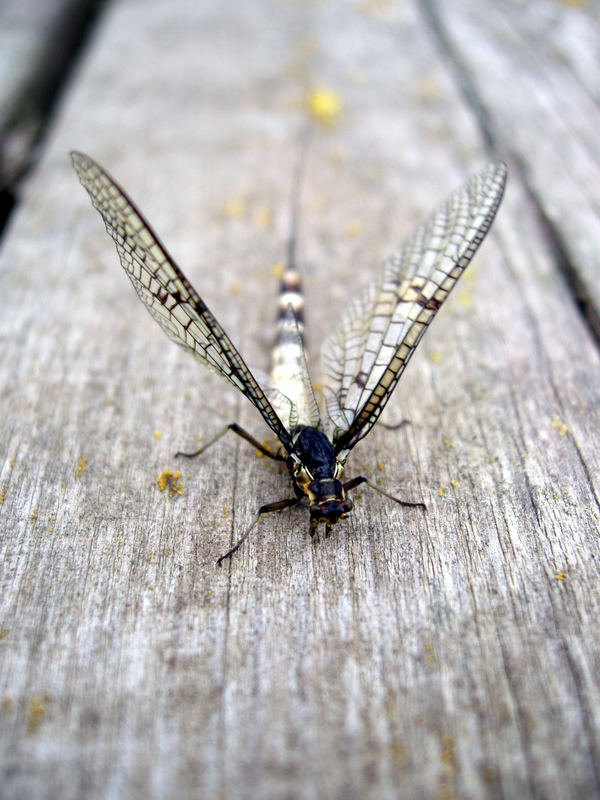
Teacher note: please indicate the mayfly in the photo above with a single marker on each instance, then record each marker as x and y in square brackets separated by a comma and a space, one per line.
[362, 360]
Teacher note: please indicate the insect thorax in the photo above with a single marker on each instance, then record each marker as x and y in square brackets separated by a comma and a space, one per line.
[316, 473]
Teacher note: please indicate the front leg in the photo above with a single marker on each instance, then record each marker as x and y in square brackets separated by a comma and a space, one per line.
[266, 509]
[352, 484]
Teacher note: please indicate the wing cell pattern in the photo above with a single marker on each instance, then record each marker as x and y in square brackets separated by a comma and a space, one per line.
[367, 353]
[166, 292]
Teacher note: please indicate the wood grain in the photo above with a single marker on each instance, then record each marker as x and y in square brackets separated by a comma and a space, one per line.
[454, 655]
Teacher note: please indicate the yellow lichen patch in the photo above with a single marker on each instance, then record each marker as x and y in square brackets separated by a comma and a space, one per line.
[3, 494]
[559, 425]
[435, 357]
[380, 465]
[453, 482]
[447, 443]
[79, 470]
[234, 207]
[3, 633]
[324, 105]
[170, 480]
[33, 516]
[441, 492]
[560, 576]
[157, 434]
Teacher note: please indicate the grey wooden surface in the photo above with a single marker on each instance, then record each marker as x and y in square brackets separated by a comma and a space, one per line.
[454, 655]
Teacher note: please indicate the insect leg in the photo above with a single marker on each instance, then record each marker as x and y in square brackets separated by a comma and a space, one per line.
[240, 432]
[395, 427]
[266, 509]
[352, 484]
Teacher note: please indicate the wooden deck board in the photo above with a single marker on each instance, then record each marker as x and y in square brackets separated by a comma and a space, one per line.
[452, 655]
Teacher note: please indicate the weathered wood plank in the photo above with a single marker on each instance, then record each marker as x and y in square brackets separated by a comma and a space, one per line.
[37, 42]
[535, 71]
[455, 655]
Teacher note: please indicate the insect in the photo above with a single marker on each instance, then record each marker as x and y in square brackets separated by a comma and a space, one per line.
[362, 360]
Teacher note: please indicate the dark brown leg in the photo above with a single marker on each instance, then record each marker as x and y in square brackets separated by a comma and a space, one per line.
[352, 484]
[240, 432]
[266, 509]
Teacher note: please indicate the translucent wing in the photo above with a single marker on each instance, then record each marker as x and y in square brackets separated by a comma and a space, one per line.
[367, 353]
[166, 292]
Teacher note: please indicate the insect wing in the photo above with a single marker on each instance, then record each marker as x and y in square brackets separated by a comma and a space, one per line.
[166, 292]
[368, 352]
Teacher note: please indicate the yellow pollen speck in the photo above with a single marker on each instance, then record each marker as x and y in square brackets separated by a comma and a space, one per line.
[267, 445]
[225, 512]
[453, 482]
[441, 492]
[353, 228]
[3, 494]
[560, 576]
[429, 653]
[380, 465]
[465, 297]
[559, 426]
[35, 712]
[169, 480]
[3, 633]
[447, 754]
[337, 156]
[448, 444]
[235, 287]
[374, 7]
[234, 207]
[428, 89]
[278, 269]
[80, 467]
[324, 105]
[33, 516]
[435, 357]
[263, 217]
[157, 434]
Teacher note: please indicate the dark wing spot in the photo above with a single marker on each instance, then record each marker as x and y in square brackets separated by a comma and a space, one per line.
[361, 379]
[430, 303]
